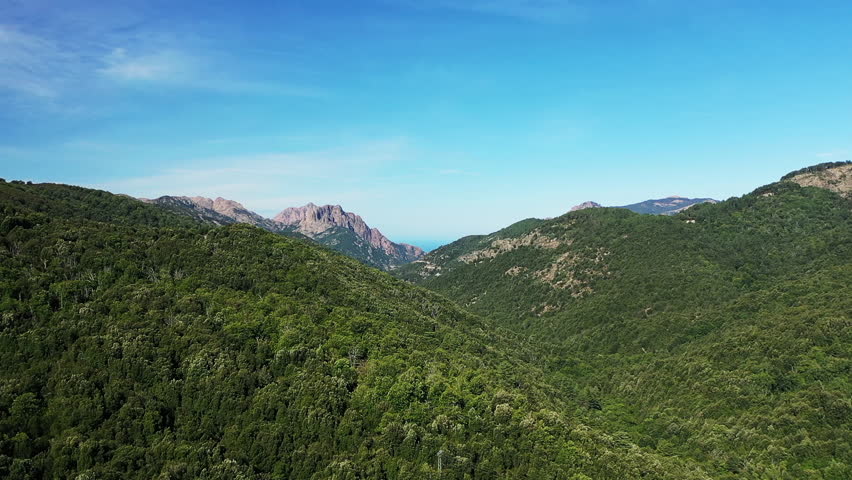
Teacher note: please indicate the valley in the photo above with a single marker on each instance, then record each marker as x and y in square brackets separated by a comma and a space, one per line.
[142, 341]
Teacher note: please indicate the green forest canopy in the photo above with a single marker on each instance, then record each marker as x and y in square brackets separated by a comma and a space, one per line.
[712, 344]
[136, 346]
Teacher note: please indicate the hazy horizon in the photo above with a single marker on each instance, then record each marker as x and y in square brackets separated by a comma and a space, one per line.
[431, 122]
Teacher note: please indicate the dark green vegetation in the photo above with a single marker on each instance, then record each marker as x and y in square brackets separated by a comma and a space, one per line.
[138, 344]
[716, 343]
[722, 334]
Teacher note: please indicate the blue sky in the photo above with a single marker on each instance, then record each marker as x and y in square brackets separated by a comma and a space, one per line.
[433, 119]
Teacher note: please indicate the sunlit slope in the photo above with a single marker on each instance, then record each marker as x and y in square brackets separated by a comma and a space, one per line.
[722, 334]
[596, 271]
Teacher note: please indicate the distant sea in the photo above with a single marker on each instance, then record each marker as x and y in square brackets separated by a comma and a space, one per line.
[427, 245]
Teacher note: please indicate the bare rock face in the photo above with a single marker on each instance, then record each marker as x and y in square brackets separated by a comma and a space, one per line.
[229, 208]
[586, 205]
[328, 225]
[835, 178]
[312, 221]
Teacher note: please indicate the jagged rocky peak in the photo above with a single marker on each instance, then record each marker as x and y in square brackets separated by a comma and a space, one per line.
[586, 205]
[313, 220]
[220, 204]
[229, 209]
[317, 219]
[329, 225]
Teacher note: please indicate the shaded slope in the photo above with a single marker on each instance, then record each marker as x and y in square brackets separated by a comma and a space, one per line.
[68, 201]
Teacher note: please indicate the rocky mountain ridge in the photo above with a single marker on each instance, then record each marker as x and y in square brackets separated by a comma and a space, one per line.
[660, 206]
[328, 225]
[312, 221]
[219, 211]
[666, 206]
[585, 205]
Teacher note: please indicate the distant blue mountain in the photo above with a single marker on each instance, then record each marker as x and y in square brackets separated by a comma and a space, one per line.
[666, 206]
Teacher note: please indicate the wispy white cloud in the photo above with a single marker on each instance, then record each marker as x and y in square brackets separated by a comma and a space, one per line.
[258, 181]
[64, 58]
[165, 65]
[33, 65]
[182, 69]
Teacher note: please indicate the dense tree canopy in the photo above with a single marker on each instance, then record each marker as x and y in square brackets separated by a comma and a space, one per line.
[602, 344]
[137, 345]
[722, 334]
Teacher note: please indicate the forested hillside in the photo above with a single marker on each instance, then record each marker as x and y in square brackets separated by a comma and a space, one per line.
[136, 344]
[721, 334]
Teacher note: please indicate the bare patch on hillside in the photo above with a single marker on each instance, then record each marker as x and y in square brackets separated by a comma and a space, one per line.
[545, 308]
[573, 271]
[427, 268]
[500, 246]
[515, 271]
[837, 179]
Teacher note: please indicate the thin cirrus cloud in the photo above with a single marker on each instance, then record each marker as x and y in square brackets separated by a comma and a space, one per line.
[37, 66]
[159, 66]
[261, 177]
[33, 65]
[183, 70]
[56, 65]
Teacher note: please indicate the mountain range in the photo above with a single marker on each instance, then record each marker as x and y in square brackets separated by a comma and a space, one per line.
[346, 232]
[661, 206]
[328, 225]
[715, 319]
[666, 206]
[159, 341]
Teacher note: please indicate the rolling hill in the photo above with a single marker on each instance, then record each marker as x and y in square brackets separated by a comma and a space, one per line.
[138, 343]
[716, 343]
[721, 333]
